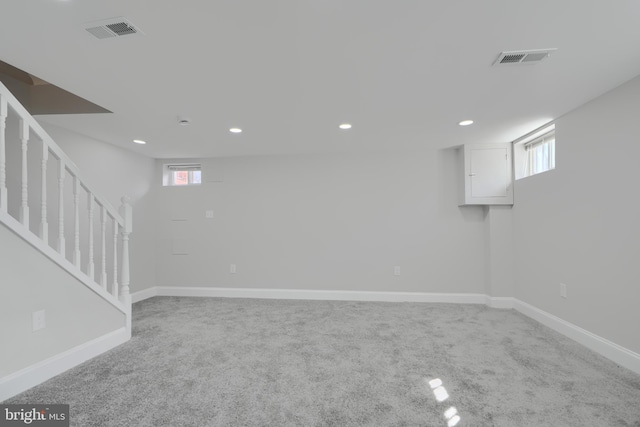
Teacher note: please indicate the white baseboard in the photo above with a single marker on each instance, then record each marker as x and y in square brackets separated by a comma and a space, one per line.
[36, 374]
[610, 350]
[144, 294]
[305, 294]
[500, 302]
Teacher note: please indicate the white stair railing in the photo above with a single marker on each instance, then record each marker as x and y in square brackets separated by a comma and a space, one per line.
[27, 151]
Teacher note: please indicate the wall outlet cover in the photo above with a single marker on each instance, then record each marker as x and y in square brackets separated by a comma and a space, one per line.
[38, 320]
[563, 290]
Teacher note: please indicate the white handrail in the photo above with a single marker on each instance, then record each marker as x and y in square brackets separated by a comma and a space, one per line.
[29, 132]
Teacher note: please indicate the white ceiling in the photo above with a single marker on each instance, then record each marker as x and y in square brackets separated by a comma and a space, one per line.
[288, 72]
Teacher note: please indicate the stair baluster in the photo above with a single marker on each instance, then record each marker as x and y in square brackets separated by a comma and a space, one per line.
[76, 221]
[61, 239]
[44, 226]
[24, 204]
[103, 240]
[90, 264]
[114, 288]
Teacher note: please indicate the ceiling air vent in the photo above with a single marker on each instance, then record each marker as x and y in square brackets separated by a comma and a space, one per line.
[523, 56]
[114, 27]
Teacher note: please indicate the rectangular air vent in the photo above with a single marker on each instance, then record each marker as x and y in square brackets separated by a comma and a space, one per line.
[523, 56]
[113, 27]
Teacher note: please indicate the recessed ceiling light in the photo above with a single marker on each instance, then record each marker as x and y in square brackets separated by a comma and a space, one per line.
[345, 126]
[235, 130]
[466, 122]
[139, 141]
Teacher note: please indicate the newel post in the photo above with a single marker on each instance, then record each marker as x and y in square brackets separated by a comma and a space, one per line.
[126, 212]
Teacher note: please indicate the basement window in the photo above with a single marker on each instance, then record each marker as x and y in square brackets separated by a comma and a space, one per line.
[535, 152]
[179, 175]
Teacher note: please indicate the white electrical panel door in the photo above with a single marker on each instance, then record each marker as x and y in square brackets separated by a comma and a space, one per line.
[487, 175]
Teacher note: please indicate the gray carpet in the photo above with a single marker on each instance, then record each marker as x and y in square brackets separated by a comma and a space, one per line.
[240, 362]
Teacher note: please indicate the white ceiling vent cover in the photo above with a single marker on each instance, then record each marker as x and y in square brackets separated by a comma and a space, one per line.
[523, 56]
[113, 27]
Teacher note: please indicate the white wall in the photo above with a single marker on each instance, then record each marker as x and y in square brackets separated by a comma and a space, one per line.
[498, 251]
[323, 222]
[31, 282]
[114, 172]
[579, 223]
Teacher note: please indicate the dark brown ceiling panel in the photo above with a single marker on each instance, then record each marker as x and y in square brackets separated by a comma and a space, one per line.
[40, 97]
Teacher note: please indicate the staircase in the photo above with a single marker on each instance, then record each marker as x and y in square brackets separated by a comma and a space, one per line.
[45, 201]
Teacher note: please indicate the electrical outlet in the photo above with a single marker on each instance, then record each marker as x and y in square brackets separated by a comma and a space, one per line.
[208, 214]
[232, 269]
[396, 270]
[38, 320]
[563, 290]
